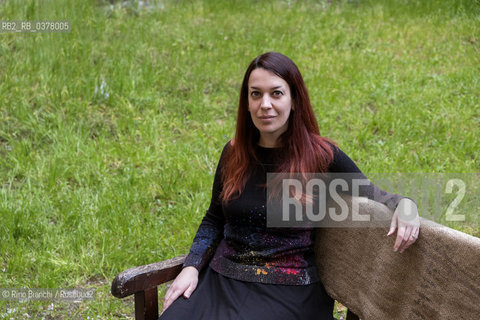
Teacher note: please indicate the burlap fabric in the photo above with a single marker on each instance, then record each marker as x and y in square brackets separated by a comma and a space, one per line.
[438, 277]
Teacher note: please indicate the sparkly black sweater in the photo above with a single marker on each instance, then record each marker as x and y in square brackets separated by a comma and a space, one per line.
[236, 242]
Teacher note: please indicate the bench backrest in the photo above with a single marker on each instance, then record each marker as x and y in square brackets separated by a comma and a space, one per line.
[438, 277]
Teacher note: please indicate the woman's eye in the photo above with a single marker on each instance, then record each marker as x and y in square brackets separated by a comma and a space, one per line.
[277, 93]
[255, 94]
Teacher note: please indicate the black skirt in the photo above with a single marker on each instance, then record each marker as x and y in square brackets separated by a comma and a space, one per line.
[220, 298]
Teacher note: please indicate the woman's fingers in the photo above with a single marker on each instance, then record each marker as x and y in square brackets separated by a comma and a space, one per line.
[399, 238]
[393, 225]
[172, 295]
[189, 290]
[406, 236]
[405, 239]
[411, 240]
[185, 283]
[406, 220]
[412, 224]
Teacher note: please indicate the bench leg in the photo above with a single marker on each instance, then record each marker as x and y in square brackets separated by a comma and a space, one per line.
[146, 304]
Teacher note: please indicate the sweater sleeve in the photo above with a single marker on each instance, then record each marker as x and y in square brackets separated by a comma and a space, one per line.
[210, 231]
[343, 164]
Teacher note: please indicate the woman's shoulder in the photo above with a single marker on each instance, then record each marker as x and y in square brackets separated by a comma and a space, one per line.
[228, 145]
[226, 148]
[338, 157]
[329, 147]
[330, 144]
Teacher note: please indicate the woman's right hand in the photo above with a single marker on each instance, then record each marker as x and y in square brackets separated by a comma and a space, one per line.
[185, 283]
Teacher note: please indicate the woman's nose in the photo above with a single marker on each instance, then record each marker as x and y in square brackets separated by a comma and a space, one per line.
[266, 103]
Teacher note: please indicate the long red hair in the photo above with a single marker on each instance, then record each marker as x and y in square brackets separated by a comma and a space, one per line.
[302, 147]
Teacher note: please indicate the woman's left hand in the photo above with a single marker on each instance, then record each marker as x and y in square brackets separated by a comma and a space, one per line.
[406, 219]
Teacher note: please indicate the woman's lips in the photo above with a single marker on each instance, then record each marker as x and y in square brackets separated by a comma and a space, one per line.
[266, 117]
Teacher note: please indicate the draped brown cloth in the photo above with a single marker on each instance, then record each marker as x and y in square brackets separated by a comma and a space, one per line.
[438, 277]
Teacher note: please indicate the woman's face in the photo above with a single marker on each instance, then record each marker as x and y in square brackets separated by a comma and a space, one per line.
[269, 104]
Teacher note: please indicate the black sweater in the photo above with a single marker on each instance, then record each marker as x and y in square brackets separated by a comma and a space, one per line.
[235, 239]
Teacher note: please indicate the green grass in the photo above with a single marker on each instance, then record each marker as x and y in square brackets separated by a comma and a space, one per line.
[92, 184]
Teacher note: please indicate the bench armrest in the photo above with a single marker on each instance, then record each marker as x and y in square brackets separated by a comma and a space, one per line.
[143, 282]
[146, 277]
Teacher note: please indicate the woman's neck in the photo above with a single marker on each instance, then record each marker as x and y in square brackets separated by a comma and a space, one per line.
[268, 143]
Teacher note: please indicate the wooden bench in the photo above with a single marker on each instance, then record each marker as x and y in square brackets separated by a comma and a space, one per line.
[438, 277]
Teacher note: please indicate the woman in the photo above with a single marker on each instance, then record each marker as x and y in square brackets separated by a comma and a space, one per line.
[243, 269]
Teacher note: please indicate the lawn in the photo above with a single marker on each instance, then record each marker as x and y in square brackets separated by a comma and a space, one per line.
[110, 133]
